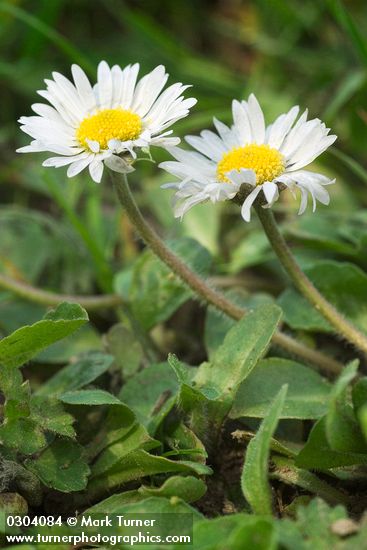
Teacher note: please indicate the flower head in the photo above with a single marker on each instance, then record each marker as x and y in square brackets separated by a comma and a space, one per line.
[91, 126]
[267, 159]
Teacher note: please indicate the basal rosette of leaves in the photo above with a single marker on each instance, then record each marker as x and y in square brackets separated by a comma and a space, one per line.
[150, 365]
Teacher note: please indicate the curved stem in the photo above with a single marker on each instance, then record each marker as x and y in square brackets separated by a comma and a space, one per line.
[200, 287]
[47, 298]
[303, 283]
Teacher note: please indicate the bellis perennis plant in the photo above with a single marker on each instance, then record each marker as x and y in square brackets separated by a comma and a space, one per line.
[267, 159]
[105, 124]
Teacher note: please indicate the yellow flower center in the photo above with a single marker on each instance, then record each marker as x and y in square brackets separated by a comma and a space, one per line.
[109, 124]
[267, 163]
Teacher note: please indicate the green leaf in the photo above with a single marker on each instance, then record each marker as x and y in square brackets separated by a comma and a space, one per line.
[118, 422]
[136, 438]
[202, 224]
[77, 374]
[252, 250]
[160, 505]
[255, 471]
[125, 348]
[155, 293]
[85, 339]
[313, 527]
[24, 435]
[16, 393]
[359, 395]
[300, 314]
[114, 503]
[342, 429]
[331, 278]
[61, 466]
[235, 532]
[184, 443]
[307, 394]
[15, 312]
[333, 232]
[207, 393]
[205, 409]
[50, 416]
[23, 344]
[151, 394]
[256, 533]
[217, 325]
[318, 455]
[188, 488]
[89, 397]
[243, 346]
[139, 464]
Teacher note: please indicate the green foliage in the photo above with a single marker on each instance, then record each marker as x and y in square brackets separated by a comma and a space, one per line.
[255, 472]
[77, 374]
[153, 290]
[151, 394]
[188, 488]
[93, 416]
[336, 440]
[331, 278]
[207, 397]
[61, 466]
[306, 397]
[23, 344]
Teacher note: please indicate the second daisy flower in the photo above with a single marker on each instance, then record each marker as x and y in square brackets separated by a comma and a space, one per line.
[264, 158]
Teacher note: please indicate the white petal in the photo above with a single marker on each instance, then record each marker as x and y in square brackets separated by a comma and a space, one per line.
[280, 128]
[148, 89]
[64, 161]
[271, 192]
[303, 203]
[77, 166]
[244, 175]
[93, 145]
[256, 118]
[209, 144]
[227, 135]
[241, 122]
[67, 93]
[246, 207]
[67, 116]
[96, 170]
[84, 88]
[117, 82]
[129, 76]
[104, 87]
[165, 142]
[48, 112]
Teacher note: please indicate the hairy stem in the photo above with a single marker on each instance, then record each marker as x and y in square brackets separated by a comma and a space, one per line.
[201, 288]
[341, 325]
[46, 298]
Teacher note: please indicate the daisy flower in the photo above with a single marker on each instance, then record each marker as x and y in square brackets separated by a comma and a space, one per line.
[267, 159]
[89, 126]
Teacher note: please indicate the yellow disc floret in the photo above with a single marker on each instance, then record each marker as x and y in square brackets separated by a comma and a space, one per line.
[267, 163]
[109, 124]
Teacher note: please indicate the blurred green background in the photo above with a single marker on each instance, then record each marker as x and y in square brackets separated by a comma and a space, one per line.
[69, 235]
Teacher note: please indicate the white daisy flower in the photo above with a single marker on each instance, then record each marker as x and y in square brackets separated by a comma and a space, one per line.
[91, 126]
[266, 158]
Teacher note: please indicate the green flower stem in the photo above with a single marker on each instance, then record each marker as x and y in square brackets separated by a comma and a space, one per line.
[46, 298]
[201, 288]
[342, 326]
